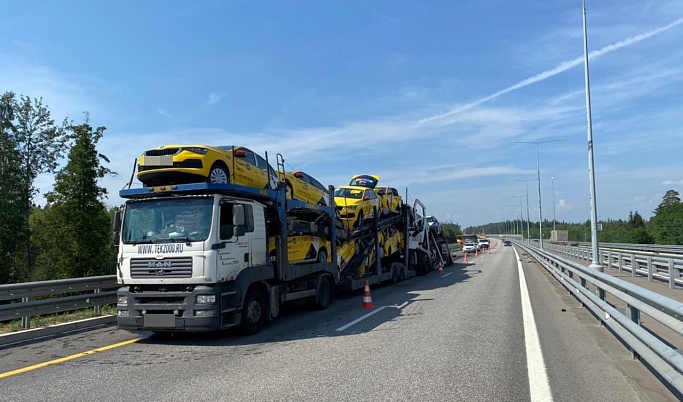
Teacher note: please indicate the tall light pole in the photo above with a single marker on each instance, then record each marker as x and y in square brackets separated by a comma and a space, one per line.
[528, 216]
[591, 166]
[521, 214]
[552, 178]
[538, 172]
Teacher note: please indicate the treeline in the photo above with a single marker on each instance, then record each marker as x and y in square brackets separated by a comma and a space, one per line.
[71, 235]
[665, 227]
[450, 231]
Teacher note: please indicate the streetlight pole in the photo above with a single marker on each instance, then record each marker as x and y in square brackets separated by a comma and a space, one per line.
[521, 214]
[528, 216]
[552, 178]
[591, 166]
[538, 172]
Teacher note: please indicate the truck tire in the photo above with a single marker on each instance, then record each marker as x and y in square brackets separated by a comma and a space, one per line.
[324, 296]
[253, 312]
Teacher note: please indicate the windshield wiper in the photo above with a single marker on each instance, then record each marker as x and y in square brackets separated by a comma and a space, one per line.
[182, 239]
[144, 241]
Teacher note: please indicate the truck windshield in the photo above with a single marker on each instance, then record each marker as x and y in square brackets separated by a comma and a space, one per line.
[167, 220]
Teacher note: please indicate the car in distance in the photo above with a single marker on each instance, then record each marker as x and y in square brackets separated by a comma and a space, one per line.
[484, 243]
[182, 164]
[304, 187]
[507, 243]
[469, 248]
[434, 224]
[355, 204]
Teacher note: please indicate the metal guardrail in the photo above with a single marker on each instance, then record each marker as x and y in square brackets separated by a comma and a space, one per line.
[665, 360]
[653, 248]
[664, 268]
[63, 295]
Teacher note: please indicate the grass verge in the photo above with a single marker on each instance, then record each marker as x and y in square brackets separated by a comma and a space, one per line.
[59, 318]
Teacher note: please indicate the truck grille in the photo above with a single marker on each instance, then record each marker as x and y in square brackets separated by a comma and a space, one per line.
[162, 152]
[180, 267]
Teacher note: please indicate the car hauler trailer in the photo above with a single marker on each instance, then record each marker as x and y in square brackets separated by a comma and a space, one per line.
[195, 257]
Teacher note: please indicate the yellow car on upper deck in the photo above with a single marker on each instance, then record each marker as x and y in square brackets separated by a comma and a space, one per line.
[304, 187]
[389, 200]
[355, 204]
[181, 164]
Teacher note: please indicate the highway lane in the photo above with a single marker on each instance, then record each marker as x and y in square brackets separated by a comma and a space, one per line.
[458, 336]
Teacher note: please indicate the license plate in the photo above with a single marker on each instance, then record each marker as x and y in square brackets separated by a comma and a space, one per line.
[159, 320]
[164, 160]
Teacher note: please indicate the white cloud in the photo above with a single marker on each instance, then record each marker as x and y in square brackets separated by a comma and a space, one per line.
[163, 112]
[214, 98]
[563, 205]
[564, 66]
[672, 182]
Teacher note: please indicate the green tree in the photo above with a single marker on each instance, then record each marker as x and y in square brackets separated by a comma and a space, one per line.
[11, 228]
[667, 224]
[39, 144]
[76, 226]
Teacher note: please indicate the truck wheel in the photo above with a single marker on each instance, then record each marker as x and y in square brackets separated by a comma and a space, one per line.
[395, 278]
[324, 296]
[218, 174]
[253, 312]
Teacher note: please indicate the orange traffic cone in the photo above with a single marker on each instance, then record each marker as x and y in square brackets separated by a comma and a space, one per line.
[367, 299]
[476, 253]
[441, 271]
[466, 257]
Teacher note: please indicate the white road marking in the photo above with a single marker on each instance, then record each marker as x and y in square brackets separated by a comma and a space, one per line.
[445, 275]
[539, 387]
[356, 321]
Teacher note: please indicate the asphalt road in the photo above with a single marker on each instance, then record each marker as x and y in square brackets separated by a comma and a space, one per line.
[451, 337]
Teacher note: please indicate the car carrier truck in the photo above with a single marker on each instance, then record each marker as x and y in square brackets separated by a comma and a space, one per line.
[195, 257]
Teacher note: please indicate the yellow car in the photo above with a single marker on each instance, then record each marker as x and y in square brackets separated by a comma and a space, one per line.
[181, 164]
[389, 200]
[364, 180]
[355, 204]
[305, 188]
[346, 251]
[303, 248]
[391, 241]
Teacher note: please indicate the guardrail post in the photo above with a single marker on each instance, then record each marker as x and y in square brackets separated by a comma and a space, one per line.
[633, 315]
[649, 268]
[97, 308]
[602, 294]
[609, 259]
[26, 321]
[672, 274]
[621, 262]
[634, 265]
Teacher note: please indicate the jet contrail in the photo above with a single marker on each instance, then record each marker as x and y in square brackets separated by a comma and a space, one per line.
[562, 67]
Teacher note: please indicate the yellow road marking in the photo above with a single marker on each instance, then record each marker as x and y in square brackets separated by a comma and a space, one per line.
[65, 359]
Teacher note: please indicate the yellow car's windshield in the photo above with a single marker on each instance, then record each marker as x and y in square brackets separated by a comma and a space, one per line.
[348, 193]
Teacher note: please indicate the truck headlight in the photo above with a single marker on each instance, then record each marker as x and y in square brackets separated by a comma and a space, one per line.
[203, 299]
[122, 301]
[123, 313]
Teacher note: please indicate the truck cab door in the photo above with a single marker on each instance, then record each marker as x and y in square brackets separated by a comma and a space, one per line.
[234, 252]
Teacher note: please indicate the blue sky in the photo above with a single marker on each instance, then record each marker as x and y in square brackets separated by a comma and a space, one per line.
[429, 95]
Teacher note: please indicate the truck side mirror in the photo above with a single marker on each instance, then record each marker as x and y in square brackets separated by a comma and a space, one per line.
[116, 235]
[238, 215]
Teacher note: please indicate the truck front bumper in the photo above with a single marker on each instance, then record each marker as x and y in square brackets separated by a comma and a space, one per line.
[156, 309]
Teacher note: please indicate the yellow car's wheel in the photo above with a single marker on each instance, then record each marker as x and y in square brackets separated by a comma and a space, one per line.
[219, 174]
[322, 255]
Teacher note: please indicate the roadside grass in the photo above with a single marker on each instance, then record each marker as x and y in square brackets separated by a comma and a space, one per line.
[59, 318]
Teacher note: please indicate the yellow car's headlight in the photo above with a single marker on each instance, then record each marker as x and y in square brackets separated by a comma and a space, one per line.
[352, 207]
[201, 151]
